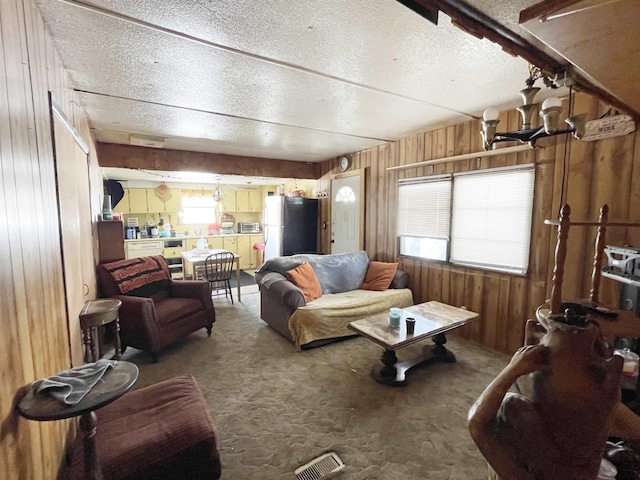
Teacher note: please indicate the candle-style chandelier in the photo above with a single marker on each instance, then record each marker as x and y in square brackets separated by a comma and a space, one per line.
[549, 112]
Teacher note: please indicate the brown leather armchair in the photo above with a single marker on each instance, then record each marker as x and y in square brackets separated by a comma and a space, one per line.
[156, 310]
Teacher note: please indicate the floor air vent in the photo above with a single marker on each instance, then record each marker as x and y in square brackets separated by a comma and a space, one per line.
[320, 467]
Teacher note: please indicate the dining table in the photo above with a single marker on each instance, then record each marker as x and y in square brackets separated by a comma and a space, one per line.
[196, 257]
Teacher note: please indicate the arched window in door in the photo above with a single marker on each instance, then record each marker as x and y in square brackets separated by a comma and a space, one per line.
[345, 194]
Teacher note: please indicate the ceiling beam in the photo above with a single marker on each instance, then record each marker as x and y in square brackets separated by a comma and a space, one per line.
[480, 25]
[128, 156]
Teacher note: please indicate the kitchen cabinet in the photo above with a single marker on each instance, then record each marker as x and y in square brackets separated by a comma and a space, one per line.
[123, 204]
[229, 243]
[255, 200]
[243, 247]
[156, 205]
[229, 204]
[242, 201]
[137, 200]
[145, 200]
[239, 244]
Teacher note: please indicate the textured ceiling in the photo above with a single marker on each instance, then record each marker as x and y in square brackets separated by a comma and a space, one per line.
[292, 80]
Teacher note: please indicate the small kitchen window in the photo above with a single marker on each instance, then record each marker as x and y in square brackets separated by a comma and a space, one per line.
[198, 208]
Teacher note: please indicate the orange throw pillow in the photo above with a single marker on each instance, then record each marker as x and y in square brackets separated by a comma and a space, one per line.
[306, 280]
[379, 276]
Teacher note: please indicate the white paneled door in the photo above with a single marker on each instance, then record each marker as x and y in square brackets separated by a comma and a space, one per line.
[347, 212]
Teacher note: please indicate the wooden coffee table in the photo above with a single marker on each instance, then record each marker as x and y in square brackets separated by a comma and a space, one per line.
[433, 319]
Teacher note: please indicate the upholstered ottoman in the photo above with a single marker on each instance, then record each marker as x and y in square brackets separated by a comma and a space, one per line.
[163, 431]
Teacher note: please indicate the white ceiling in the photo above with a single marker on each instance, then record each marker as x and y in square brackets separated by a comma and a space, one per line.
[284, 79]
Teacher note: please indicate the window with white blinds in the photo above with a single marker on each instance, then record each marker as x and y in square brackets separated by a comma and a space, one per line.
[481, 218]
[491, 221]
[198, 207]
[424, 210]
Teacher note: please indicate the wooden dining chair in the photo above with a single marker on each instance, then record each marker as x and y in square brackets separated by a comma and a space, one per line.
[217, 270]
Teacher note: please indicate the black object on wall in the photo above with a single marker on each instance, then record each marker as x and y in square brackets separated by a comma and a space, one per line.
[113, 188]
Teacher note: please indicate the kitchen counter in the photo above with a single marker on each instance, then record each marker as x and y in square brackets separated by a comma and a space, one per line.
[172, 247]
[185, 237]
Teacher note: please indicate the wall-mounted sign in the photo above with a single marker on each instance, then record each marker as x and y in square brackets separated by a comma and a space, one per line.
[609, 127]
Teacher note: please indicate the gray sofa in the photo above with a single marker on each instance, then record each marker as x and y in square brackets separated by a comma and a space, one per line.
[283, 306]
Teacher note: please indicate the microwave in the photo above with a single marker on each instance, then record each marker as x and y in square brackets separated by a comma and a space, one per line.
[246, 227]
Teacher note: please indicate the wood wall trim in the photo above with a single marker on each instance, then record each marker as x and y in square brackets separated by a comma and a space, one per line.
[465, 156]
[129, 156]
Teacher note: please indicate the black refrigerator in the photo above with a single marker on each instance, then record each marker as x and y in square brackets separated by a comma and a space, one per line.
[290, 226]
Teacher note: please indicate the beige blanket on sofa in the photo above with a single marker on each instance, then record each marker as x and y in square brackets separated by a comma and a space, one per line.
[329, 315]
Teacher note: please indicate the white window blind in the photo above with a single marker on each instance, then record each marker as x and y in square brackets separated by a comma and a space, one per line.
[424, 209]
[198, 207]
[491, 224]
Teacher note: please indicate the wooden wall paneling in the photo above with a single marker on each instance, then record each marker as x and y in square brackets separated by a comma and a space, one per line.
[410, 266]
[503, 319]
[446, 287]
[435, 282]
[457, 286]
[416, 279]
[324, 185]
[632, 235]
[462, 140]
[458, 296]
[52, 291]
[391, 201]
[371, 207]
[427, 146]
[517, 314]
[14, 341]
[439, 150]
[611, 185]
[36, 340]
[27, 176]
[579, 179]
[473, 300]
[490, 313]
[378, 161]
[540, 233]
[410, 146]
[476, 143]
[53, 323]
[29, 450]
[449, 148]
[421, 294]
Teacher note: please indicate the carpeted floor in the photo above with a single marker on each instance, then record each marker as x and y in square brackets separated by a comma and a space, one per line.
[275, 409]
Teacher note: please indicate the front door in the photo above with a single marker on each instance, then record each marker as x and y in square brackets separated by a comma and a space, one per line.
[347, 212]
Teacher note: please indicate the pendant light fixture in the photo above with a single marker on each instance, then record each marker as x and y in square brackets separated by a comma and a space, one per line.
[218, 193]
[549, 112]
